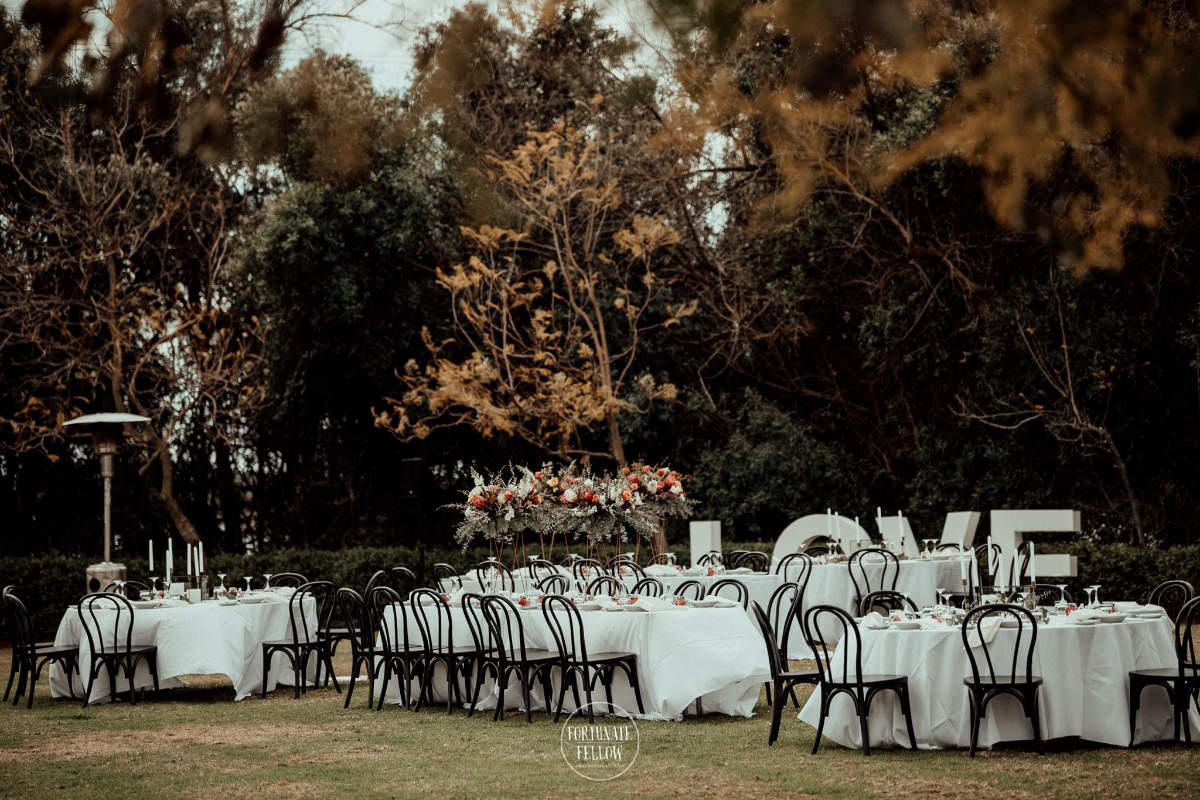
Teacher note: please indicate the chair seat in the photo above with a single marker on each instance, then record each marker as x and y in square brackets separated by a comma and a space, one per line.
[1162, 673]
[603, 658]
[871, 680]
[530, 655]
[290, 643]
[1003, 680]
[50, 649]
[813, 676]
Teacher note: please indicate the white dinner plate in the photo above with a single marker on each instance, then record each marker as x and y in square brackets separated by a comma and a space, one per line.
[250, 601]
[1084, 621]
[1148, 614]
[704, 602]
[1113, 617]
[905, 625]
[1009, 623]
[876, 627]
[227, 602]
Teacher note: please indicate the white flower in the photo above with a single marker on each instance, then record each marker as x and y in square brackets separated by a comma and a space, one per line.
[501, 499]
[588, 483]
[569, 495]
[676, 489]
[508, 515]
[652, 486]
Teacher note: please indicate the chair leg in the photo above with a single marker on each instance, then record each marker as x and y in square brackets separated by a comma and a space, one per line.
[976, 716]
[479, 674]
[1183, 712]
[266, 669]
[825, 698]
[12, 673]
[1135, 696]
[562, 693]
[87, 692]
[637, 687]
[33, 686]
[152, 663]
[907, 709]
[767, 686]
[502, 682]
[1036, 718]
[608, 698]
[353, 679]
[866, 735]
[776, 713]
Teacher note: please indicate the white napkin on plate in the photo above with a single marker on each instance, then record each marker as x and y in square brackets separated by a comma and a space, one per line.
[696, 571]
[987, 628]
[874, 620]
[661, 571]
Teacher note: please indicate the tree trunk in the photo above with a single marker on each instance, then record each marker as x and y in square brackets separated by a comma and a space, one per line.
[230, 498]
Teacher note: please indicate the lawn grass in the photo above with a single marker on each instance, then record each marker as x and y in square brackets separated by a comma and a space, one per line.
[196, 742]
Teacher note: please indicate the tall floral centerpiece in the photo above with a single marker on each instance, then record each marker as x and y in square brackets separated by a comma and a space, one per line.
[597, 509]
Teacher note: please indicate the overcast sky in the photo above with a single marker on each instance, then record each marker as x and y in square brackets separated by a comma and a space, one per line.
[389, 58]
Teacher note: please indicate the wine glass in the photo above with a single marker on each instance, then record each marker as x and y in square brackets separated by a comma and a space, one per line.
[1095, 590]
[247, 579]
[120, 584]
[154, 587]
[222, 592]
[1062, 594]
[929, 546]
[267, 580]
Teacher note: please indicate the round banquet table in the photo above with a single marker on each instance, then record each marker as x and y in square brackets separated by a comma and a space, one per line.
[192, 639]
[715, 654]
[1085, 690]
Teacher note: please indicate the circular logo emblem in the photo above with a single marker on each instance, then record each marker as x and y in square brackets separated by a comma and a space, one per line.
[600, 751]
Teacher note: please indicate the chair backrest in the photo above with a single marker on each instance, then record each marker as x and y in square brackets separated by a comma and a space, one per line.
[492, 575]
[782, 609]
[504, 620]
[389, 616]
[555, 584]
[754, 559]
[801, 563]
[324, 595]
[18, 623]
[434, 620]
[477, 623]
[101, 612]
[770, 640]
[828, 631]
[585, 569]
[541, 568]
[660, 558]
[733, 586]
[566, 627]
[379, 578]
[814, 550]
[605, 584]
[648, 587]
[405, 580]
[944, 546]
[1185, 638]
[1049, 595]
[1171, 595]
[293, 579]
[131, 589]
[886, 601]
[709, 558]
[356, 617]
[693, 588]
[1019, 567]
[619, 566]
[981, 557]
[1025, 641]
[446, 576]
[872, 562]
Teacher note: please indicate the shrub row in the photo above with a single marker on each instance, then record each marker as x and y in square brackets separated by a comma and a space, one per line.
[48, 583]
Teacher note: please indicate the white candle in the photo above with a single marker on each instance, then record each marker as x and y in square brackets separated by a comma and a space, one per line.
[200, 559]
[991, 569]
[962, 565]
[1032, 570]
[829, 522]
[151, 556]
[189, 560]
[170, 560]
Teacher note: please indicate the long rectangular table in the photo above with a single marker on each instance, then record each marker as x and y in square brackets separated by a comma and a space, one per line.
[192, 639]
[715, 654]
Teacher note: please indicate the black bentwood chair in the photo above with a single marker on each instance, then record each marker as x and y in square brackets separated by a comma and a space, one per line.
[554, 584]
[619, 565]
[605, 584]
[585, 569]
[511, 658]
[307, 640]
[1172, 596]
[885, 601]
[435, 622]
[401, 656]
[782, 681]
[756, 560]
[364, 650]
[28, 655]
[578, 666]
[446, 577]
[474, 670]
[100, 614]
[293, 579]
[1023, 684]
[540, 568]
[802, 562]
[877, 567]
[727, 586]
[693, 588]
[647, 587]
[131, 589]
[1181, 682]
[495, 575]
[783, 612]
[860, 688]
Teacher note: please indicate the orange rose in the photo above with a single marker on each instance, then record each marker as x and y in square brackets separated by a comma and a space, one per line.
[479, 501]
[661, 472]
[626, 494]
[538, 474]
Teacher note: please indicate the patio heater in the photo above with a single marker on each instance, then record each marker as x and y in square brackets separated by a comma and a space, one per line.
[107, 431]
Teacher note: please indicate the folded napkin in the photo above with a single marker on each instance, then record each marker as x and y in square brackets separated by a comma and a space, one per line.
[988, 628]
[661, 571]
[874, 620]
[696, 571]
[739, 571]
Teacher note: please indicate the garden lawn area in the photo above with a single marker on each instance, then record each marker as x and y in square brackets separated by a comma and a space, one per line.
[196, 742]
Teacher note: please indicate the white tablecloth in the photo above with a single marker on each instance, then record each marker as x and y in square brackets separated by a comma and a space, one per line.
[712, 653]
[1085, 692]
[203, 639]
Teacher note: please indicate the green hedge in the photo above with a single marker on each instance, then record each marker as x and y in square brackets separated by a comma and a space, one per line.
[48, 583]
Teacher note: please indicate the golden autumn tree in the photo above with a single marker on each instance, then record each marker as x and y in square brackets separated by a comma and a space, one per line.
[548, 313]
[848, 96]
